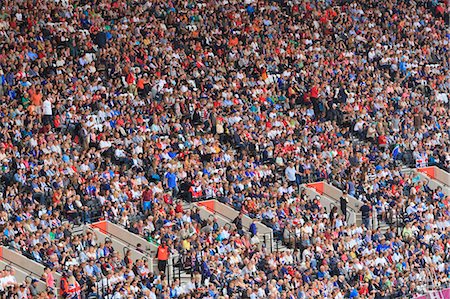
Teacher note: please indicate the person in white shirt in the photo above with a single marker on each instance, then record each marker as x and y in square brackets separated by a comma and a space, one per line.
[8, 279]
[104, 144]
[120, 153]
[380, 260]
[290, 173]
[47, 112]
[187, 217]
[190, 286]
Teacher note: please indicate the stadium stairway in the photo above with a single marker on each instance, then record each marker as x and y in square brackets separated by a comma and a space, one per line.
[327, 202]
[330, 196]
[25, 268]
[433, 176]
[124, 241]
[225, 215]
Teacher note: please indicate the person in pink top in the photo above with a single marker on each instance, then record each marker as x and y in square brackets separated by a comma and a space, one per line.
[49, 278]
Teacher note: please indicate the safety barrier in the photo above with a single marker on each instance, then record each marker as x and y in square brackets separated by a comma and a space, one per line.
[122, 234]
[102, 230]
[327, 202]
[442, 294]
[432, 176]
[227, 214]
[353, 205]
[17, 260]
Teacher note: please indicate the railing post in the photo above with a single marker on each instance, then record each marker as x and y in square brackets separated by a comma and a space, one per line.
[264, 239]
[295, 240]
[271, 245]
[167, 271]
[173, 269]
[179, 270]
[374, 218]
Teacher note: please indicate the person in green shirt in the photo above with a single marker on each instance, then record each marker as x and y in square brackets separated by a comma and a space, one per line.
[407, 232]
[25, 100]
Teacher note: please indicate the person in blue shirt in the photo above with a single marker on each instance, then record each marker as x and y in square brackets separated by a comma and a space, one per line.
[383, 246]
[353, 293]
[253, 229]
[172, 182]
[206, 272]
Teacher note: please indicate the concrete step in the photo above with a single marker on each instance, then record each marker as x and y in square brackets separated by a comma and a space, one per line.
[77, 229]
[183, 276]
[279, 246]
[383, 226]
[186, 205]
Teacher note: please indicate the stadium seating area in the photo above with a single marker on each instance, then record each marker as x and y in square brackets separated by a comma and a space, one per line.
[224, 149]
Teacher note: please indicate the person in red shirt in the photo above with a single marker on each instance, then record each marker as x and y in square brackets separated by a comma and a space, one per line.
[131, 81]
[147, 197]
[364, 289]
[179, 207]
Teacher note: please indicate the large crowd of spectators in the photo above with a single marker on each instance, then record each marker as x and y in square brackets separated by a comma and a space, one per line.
[121, 110]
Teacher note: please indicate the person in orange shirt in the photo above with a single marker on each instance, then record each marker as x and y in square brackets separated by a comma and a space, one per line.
[233, 42]
[36, 100]
[163, 256]
[140, 84]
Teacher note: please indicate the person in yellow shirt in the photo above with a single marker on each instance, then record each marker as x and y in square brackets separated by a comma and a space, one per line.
[186, 245]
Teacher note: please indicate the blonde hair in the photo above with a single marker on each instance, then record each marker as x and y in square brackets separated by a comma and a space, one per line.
[71, 279]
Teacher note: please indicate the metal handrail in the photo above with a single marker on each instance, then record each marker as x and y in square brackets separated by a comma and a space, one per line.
[110, 237]
[297, 240]
[125, 250]
[30, 273]
[348, 213]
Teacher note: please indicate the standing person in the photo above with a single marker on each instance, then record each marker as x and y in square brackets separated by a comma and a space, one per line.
[344, 201]
[162, 256]
[291, 174]
[172, 181]
[36, 100]
[64, 286]
[206, 271]
[49, 278]
[47, 111]
[253, 228]
[333, 214]
[365, 212]
[147, 197]
[238, 222]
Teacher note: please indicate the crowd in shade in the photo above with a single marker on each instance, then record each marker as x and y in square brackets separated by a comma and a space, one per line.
[123, 110]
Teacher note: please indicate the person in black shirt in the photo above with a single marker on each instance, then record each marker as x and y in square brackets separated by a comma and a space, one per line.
[238, 222]
[365, 211]
[344, 202]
